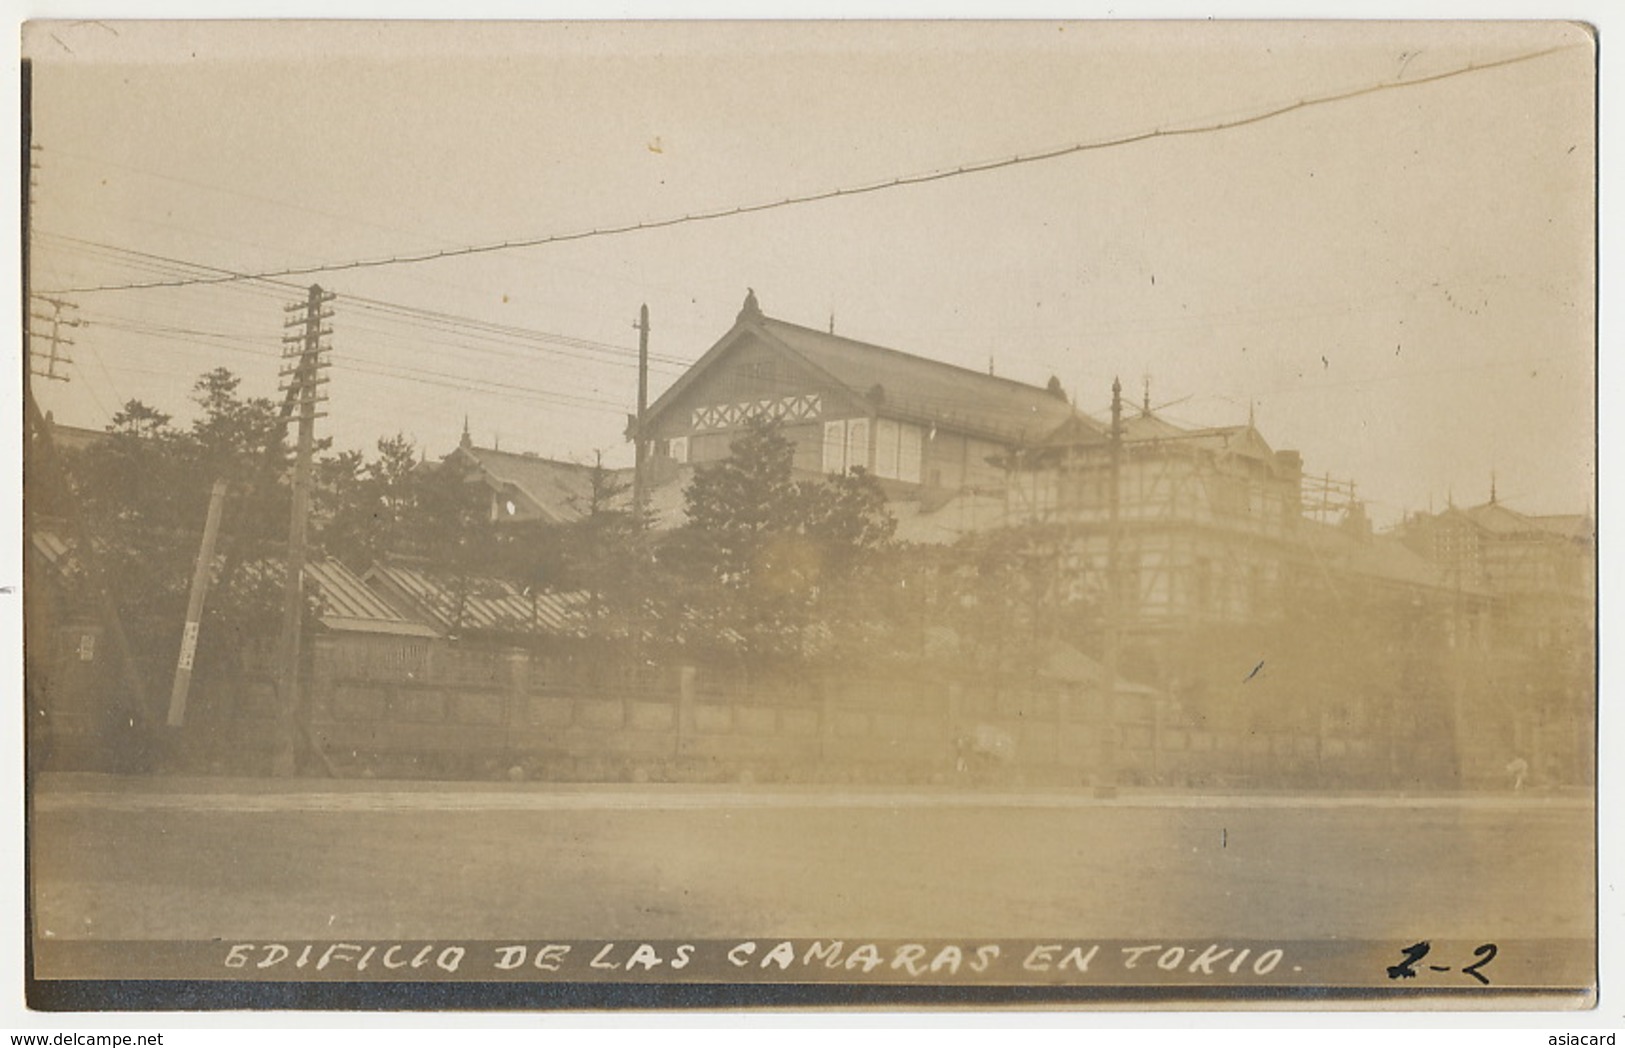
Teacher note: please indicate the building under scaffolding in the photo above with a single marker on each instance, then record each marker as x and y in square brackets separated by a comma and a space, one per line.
[1202, 526]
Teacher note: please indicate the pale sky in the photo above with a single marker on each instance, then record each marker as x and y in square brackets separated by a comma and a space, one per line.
[1401, 283]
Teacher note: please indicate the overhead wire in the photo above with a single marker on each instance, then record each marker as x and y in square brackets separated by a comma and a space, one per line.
[510, 335]
[427, 319]
[348, 218]
[112, 387]
[444, 329]
[936, 175]
[269, 348]
[376, 368]
[264, 350]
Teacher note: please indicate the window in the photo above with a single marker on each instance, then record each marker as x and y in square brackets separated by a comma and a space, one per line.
[857, 443]
[909, 454]
[835, 447]
[678, 449]
[846, 445]
[897, 450]
[886, 434]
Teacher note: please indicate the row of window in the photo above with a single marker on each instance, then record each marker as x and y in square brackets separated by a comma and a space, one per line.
[898, 448]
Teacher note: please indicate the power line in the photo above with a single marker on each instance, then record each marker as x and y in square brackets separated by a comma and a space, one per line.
[379, 369]
[112, 387]
[426, 319]
[260, 346]
[936, 175]
[276, 202]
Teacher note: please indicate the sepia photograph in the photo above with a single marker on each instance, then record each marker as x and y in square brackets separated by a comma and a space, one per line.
[739, 515]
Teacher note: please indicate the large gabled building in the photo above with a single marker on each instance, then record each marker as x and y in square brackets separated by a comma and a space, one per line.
[924, 428]
[1208, 516]
[1213, 524]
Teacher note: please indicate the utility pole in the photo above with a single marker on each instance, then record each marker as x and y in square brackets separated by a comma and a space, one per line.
[194, 605]
[640, 445]
[56, 321]
[41, 454]
[304, 383]
[1114, 602]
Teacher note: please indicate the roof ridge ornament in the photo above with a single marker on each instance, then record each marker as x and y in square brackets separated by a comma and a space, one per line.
[751, 310]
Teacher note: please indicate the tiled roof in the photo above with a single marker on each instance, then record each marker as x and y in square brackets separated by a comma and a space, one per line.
[925, 390]
[493, 605]
[556, 491]
[1492, 516]
[348, 604]
[560, 492]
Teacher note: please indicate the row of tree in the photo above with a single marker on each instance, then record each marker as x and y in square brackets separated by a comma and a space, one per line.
[768, 567]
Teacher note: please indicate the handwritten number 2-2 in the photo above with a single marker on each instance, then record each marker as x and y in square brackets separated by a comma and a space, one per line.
[1486, 953]
[1406, 969]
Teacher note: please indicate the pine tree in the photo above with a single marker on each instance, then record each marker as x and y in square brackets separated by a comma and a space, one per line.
[762, 552]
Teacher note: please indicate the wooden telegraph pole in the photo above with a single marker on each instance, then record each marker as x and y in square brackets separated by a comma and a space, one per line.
[304, 382]
[1114, 603]
[43, 459]
[55, 337]
[640, 446]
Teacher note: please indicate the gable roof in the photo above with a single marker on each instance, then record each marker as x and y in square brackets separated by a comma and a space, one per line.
[927, 390]
[1078, 429]
[348, 604]
[910, 387]
[561, 492]
[1495, 518]
[545, 489]
[1145, 427]
[1236, 440]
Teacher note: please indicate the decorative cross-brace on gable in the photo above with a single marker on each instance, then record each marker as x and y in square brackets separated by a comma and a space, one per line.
[785, 409]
